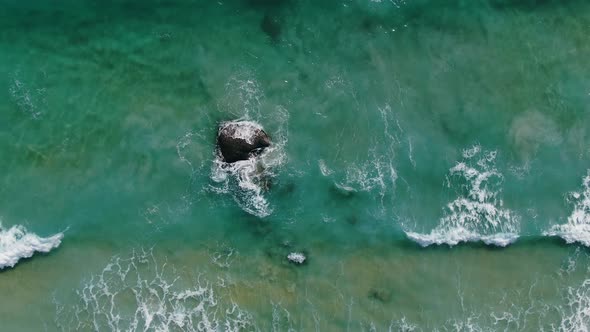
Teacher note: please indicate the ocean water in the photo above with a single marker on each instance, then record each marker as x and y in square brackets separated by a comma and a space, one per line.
[430, 159]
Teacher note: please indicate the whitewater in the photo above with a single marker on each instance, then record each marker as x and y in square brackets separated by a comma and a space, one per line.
[429, 166]
[17, 243]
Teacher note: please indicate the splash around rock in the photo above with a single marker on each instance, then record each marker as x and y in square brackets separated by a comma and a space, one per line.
[241, 140]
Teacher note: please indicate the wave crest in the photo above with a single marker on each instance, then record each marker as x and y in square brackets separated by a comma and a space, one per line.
[477, 214]
[453, 237]
[577, 228]
[17, 243]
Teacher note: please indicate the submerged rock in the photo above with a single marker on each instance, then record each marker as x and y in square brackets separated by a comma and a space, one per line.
[380, 294]
[241, 140]
[271, 26]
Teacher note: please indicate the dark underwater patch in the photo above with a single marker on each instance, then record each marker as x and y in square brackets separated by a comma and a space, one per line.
[271, 26]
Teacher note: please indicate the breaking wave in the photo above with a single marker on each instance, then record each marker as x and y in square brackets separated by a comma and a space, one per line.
[577, 228]
[477, 214]
[17, 243]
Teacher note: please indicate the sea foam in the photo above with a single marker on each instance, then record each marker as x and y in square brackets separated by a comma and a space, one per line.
[17, 243]
[577, 228]
[246, 180]
[142, 293]
[477, 214]
[575, 316]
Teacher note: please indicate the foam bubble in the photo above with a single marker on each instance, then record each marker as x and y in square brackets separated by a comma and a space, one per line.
[477, 214]
[577, 228]
[17, 243]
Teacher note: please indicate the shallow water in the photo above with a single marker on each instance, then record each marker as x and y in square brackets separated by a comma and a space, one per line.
[431, 161]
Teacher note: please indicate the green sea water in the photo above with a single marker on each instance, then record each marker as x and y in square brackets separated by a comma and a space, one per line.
[430, 160]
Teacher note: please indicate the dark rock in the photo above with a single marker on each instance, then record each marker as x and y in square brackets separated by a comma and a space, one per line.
[271, 26]
[368, 25]
[380, 294]
[352, 220]
[240, 140]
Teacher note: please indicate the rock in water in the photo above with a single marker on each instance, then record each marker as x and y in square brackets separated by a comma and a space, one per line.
[240, 140]
[271, 26]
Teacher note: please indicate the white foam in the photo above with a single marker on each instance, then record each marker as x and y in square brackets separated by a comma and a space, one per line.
[453, 237]
[17, 243]
[577, 228]
[478, 213]
[324, 168]
[247, 175]
[402, 325]
[244, 179]
[377, 173]
[472, 151]
[296, 257]
[571, 233]
[140, 293]
[575, 316]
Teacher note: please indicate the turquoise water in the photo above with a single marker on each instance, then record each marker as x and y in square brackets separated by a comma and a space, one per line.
[431, 160]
